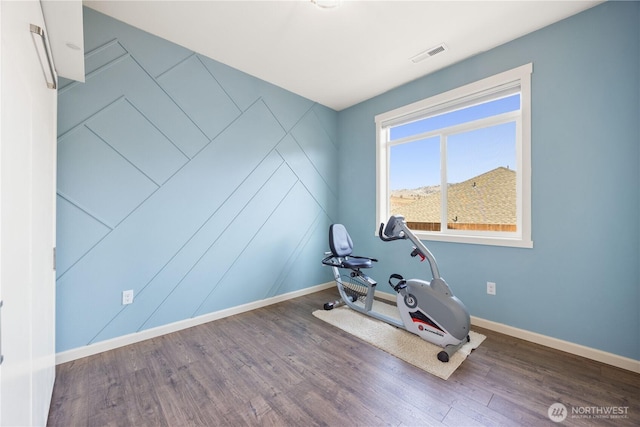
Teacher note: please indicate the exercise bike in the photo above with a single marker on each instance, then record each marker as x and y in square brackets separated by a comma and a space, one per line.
[427, 308]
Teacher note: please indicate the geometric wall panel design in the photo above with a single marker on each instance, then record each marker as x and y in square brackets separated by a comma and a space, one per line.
[168, 280]
[299, 162]
[78, 232]
[319, 148]
[269, 247]
[124, 78]
[243, 89]
[144, 47]
[98, 179]
[205, 277]
[195, 90]
[196, 185]
[138, 140]
[102, 56]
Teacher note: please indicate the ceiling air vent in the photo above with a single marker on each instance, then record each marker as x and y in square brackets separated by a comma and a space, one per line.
[429, 53]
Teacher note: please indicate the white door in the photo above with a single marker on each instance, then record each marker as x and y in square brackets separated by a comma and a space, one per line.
[27, 220]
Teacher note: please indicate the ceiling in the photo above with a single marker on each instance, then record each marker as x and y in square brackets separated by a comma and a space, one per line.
[338, 57]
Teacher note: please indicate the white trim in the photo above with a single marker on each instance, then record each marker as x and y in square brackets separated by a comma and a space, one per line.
[475, 240]
[519, 77]
[485, 122]
[382, 174]
[99, 347]
[558, 344]
[555, 343]
[497, 80]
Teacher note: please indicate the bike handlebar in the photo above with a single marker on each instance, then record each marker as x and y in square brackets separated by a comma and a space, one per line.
[387, 239]
[399, 230]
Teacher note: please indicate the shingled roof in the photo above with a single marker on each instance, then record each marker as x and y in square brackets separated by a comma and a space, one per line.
[489, 198]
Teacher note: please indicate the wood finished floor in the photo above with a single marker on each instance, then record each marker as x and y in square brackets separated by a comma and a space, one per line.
[280, 366]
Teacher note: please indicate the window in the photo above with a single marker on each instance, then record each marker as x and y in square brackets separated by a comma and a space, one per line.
[457, 165]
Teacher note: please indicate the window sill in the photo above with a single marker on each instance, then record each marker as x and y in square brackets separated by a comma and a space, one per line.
[514, 242]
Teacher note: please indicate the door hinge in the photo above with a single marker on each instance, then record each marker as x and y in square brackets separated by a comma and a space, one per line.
[54, 258]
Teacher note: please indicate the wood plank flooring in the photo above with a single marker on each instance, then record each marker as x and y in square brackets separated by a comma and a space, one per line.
[280, 366]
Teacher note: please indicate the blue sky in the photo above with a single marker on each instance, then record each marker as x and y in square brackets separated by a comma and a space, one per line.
[416, 164]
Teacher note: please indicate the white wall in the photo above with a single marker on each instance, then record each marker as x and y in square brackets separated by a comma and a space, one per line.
[27, 220]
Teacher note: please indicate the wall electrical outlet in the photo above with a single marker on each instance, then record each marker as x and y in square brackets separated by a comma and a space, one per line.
[491, 288]
[127, 297]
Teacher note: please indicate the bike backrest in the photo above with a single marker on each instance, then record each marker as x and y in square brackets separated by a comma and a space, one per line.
[340, 242]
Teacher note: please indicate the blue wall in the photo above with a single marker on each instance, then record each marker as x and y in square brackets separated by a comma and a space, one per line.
[580, 282]
[203, 188]
[197, 186]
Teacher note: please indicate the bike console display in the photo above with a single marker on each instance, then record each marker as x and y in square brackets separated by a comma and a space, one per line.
[393, 230]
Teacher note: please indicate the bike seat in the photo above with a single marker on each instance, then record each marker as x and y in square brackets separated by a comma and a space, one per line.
[356, 263]
[341, 247]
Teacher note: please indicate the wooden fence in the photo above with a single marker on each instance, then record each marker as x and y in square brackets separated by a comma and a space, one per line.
[435, 226]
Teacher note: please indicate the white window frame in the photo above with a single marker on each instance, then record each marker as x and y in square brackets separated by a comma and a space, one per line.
[461, 97]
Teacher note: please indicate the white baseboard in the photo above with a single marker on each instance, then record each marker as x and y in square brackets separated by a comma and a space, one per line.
[555, 343]
[91, 349]
[558, 344]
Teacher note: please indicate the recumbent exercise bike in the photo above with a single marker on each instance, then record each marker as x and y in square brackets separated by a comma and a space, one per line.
[427, 308]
